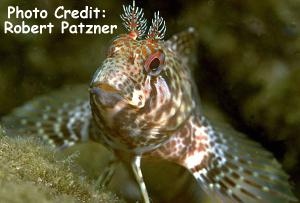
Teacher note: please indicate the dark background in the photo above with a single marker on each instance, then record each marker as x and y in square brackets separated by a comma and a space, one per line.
[248, 62]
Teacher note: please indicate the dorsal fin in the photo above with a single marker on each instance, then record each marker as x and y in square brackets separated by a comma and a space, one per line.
[185, 45]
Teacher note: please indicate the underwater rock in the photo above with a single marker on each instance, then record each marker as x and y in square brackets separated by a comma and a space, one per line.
[31, 172]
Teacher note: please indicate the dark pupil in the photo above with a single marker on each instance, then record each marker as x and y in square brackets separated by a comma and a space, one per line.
[154, 64]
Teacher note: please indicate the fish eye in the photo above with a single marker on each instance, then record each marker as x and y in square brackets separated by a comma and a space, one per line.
[154, 63]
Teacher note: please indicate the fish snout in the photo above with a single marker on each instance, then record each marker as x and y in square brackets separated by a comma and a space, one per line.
[105, 94]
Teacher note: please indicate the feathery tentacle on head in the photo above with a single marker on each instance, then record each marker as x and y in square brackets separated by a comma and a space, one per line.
[158, 28]
[135, 22]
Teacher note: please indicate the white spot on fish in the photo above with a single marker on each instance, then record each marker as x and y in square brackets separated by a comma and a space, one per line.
[194, 160]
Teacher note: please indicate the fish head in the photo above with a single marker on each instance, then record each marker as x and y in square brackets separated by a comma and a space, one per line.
[141, 93]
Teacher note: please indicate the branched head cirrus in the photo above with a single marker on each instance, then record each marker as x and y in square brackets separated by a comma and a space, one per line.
[141, 94]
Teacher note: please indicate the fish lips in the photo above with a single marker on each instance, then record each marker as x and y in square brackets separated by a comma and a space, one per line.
[106, 97]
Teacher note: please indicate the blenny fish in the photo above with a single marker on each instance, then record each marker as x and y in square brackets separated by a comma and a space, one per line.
[143, 102]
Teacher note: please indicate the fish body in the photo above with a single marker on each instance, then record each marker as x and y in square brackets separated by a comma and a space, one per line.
[142, 102]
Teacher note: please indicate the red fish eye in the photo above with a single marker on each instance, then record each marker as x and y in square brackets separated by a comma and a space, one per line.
[154, 63]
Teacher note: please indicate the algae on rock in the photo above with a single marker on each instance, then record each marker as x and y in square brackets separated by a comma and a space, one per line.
[31, 172]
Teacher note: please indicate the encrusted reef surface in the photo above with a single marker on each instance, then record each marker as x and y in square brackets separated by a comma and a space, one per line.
[248, 66]
[31, 172]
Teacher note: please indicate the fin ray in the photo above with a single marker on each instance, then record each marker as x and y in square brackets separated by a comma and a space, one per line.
[246, 171]
[227, 163]
[61, 118]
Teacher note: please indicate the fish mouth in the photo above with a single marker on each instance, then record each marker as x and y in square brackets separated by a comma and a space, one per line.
[105, 94]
